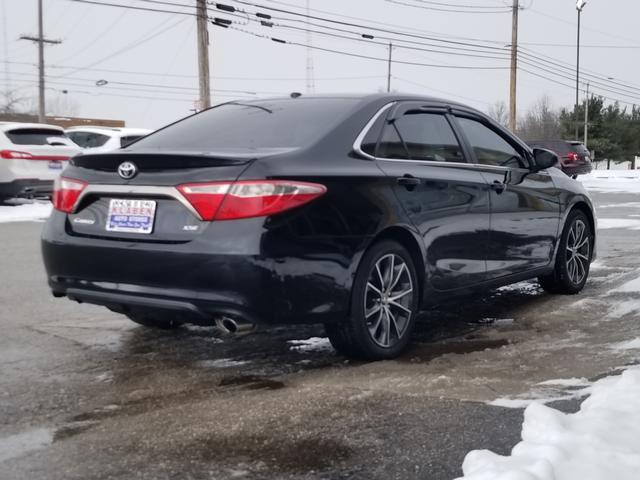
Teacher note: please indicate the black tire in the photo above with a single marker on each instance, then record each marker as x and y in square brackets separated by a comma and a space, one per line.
[391, 318]
[572, 265]
[161, 322]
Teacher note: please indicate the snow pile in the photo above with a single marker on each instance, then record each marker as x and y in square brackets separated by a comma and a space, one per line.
[27, 212]
[600, 442]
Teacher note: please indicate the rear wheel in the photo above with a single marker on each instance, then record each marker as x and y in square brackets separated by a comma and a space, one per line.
[155, 321]
[573, 258]
[384, 305]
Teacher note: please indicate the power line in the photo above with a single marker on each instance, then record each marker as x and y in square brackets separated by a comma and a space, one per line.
[449, 10]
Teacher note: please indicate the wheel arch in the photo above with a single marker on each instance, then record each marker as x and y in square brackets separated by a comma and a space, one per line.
[409, 240]
[584, 206]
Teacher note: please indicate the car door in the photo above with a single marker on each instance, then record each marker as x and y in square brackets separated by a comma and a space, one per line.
[525, 206]
[445, 197]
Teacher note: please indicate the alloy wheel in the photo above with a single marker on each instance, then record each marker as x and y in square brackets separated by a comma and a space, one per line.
[578, 252]
[388, 300]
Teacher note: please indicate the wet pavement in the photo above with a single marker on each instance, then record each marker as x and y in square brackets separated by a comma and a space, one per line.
[86, 394]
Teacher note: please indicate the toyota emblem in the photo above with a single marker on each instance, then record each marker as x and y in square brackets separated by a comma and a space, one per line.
[127, 170]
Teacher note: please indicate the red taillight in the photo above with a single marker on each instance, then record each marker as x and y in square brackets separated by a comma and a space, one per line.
[66, 192]
[249, 198]
[573, 157]
[15, 155]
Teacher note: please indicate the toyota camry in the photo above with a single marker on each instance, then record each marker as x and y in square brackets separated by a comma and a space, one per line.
[356, 212]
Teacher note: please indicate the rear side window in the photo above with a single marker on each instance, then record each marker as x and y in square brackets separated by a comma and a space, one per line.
[34, 136]
[489, 147]
[129, 139]
[420, 136]
[88, 139]
[249, 125]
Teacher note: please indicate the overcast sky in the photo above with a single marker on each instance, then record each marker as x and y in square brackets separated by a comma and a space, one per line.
[131, 49]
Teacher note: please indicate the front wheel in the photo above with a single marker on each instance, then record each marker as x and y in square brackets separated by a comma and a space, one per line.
[384, 305]
[573, 258]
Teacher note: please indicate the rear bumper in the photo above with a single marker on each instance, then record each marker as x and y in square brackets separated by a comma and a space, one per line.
[572, 170]
[27, 188]
[226, 271]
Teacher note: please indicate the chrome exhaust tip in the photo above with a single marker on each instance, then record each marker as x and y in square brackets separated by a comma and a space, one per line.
[228, 326]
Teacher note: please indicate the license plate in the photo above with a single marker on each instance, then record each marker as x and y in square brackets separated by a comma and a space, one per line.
[131, 216]
[55, 165]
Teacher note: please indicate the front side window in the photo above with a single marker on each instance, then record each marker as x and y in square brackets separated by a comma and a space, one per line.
[420, 136]
[489, 147]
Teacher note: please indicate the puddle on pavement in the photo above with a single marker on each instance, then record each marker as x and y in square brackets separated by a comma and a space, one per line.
[288, 454]
[25, 442]
[251, 382]
[427, 352]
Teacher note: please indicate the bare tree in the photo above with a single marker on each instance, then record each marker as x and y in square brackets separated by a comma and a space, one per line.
[541, 122]
[11, 102]
[499, 112]
[61, 105]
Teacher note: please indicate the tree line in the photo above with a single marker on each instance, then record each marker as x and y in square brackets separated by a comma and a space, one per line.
[613, 134]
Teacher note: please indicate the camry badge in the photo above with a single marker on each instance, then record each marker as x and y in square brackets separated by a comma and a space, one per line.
[127, 170]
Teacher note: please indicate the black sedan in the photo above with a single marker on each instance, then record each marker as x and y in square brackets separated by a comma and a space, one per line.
[356, 212]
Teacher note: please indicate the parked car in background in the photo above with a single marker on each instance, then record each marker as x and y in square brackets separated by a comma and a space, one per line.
[105, 139]
[32, 155]
[352, 211]
[574, 157]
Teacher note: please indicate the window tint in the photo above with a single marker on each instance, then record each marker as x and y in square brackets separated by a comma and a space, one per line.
[253, 125]
[421, 136]
[88, 139]
[489, 147]
[129, 139]
[579, 148]
[34, 136]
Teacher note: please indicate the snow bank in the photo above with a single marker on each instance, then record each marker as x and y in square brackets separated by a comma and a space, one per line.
[28, 212]
[600, 442]
[313, 344]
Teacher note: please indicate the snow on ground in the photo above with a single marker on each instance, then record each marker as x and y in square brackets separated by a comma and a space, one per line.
[608, 223]
[600, 442]
[313, 344]
[27, 212]
[631, 286]
[628, 345]
[612, 181]
[221, 363]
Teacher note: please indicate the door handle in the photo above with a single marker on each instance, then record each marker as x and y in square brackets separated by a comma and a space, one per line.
[409, 181]
[498, 187]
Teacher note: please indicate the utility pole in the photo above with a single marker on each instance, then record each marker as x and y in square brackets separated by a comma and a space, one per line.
[579, 6]
[311, 81]
[586, 118]
[203, 54]
[40, 40]
[514, 67]
[389, 68]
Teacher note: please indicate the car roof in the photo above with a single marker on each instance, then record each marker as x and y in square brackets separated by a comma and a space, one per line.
[111, 131]
[6, 126]
[368, 97]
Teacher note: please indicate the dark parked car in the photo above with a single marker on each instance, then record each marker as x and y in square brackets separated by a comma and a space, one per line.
[354, 212]
[574, 157]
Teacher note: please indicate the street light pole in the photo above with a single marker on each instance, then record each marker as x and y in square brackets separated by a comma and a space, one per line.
[579, 6]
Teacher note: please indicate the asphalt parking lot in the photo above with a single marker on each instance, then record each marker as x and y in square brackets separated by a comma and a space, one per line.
[85, 394]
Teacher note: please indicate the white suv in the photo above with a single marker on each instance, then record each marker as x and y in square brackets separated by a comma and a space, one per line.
[32, 155]
[104, 139]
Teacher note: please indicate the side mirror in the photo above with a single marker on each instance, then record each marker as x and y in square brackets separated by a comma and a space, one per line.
[544, 159]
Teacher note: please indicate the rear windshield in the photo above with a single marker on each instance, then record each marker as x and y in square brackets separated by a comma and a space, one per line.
[578, 148]
[34, 136]
[263, 124]
[88, 139]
